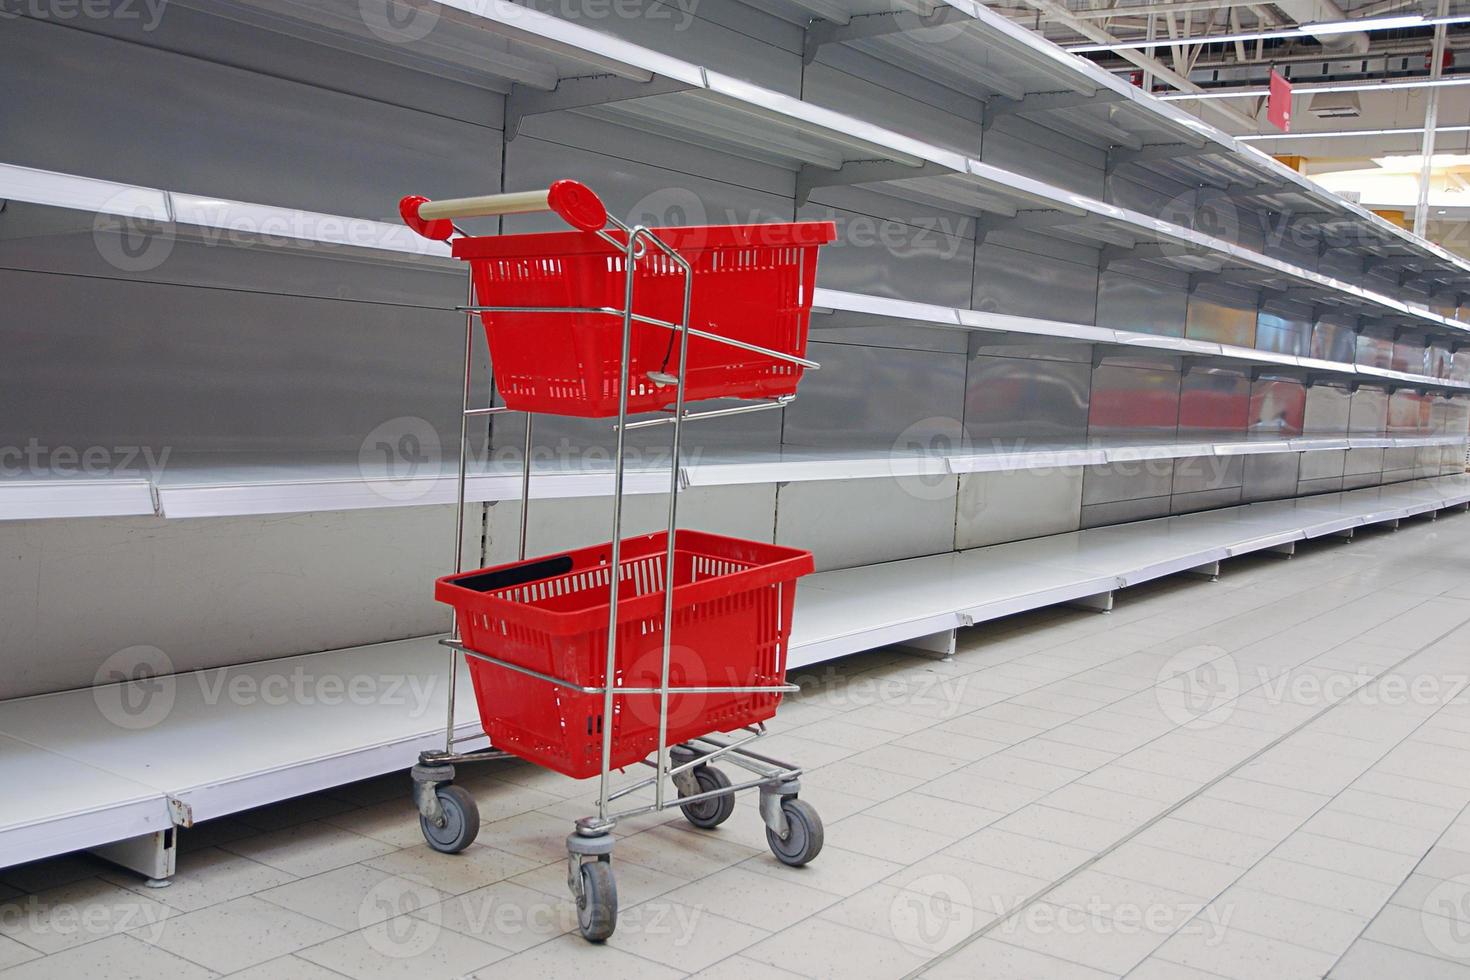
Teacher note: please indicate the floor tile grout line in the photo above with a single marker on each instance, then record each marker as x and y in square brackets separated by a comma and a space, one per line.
[985, 930]
[1339, 793]
[1438, 837]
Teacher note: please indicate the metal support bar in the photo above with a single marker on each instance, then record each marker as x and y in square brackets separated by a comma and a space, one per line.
[716, 413]
[597, 689]
[863, 26]
[652, 321]
[811, 176]
[579, 93]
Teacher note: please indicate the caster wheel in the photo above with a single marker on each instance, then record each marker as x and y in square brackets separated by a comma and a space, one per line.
[597, 909]
[461, 820]
[709, 814]
[804, 842]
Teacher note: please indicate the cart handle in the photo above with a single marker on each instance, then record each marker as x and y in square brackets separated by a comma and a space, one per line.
[575, 202]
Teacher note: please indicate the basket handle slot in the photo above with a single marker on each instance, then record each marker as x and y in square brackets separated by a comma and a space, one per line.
[519, 575]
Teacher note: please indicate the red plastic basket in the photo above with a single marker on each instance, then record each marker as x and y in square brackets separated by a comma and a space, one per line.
[731, 623]
[750, 282]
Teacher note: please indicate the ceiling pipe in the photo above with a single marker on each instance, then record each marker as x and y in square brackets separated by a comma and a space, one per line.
[1309, 12]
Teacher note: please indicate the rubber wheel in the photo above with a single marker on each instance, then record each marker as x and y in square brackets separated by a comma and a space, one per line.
[597, 908]
[804, 842]
[461, 821]
[709, 814]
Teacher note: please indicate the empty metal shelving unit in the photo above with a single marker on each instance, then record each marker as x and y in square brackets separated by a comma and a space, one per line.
[1067, 331]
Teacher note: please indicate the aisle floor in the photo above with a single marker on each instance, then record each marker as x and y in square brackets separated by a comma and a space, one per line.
[1265, 776]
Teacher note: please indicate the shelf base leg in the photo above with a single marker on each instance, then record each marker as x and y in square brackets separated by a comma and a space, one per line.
[1100, 603]
[939, 645]
[152, 856]
[1287, 550]
[1209, 570]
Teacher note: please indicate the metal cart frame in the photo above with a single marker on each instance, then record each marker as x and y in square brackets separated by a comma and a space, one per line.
[448, 814]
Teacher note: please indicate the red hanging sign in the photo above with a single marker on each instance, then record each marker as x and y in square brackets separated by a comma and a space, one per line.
[1278, 102]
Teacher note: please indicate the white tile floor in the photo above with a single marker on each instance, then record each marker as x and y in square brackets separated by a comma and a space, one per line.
[1266, 776]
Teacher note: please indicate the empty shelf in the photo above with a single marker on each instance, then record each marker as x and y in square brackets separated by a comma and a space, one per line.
[233, 738]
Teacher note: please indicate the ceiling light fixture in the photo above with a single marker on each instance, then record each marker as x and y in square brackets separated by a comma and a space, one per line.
[1260, 93]
[1349, 132]
[1305, 30]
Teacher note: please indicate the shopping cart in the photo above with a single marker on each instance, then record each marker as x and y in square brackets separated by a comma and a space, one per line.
[678, 659]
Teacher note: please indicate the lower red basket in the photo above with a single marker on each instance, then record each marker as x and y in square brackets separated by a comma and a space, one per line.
[731, 624]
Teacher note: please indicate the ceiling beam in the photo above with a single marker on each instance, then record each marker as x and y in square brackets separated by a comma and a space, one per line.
[1061, 15]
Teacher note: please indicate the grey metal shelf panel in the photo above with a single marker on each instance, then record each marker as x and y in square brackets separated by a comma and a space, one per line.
[984, 54]
[850, 610]
[1121, 342]
[707, 107]
[234, 486]
[216, 742]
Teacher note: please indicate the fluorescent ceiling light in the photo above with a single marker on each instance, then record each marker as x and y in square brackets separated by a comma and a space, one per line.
[1343, 133]
[1377, 24]
[1258, 93]
[1306, 30]
[1412, 163]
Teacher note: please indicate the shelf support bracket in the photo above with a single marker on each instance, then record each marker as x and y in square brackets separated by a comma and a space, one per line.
[1119, 156]
[820, 32]
[1100, 603]
[939, 646]
[1000, 105]
[1031, 220]
[580, 93]
[810, 176]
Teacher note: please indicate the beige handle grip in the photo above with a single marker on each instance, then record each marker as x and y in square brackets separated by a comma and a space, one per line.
[485, 206]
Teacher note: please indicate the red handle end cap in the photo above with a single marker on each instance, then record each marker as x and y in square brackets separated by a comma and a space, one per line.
[578, 205]
[437, 230]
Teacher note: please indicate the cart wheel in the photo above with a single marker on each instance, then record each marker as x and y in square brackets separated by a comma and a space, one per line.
[461, 820]
[804, 842]
[597, 908]
[709, 814]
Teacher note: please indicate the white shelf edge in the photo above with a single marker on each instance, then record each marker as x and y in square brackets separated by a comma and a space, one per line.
[232, 499]
[950, 317]
[79, 497]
